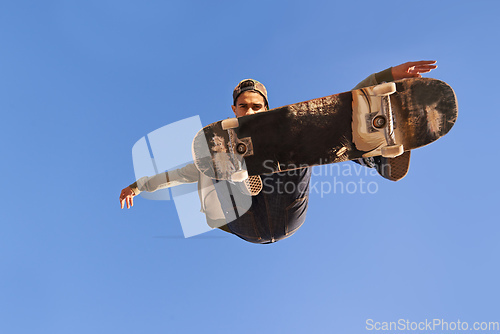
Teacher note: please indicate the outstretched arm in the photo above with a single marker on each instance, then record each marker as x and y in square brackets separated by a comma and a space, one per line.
[186, 174]
[410, 69]
[413, 69]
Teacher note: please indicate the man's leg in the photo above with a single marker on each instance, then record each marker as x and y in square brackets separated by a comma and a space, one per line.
[276, 212]
[393, 169]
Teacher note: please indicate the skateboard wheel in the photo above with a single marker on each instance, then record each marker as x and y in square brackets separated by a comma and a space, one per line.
[392, 151]
[239, 176]
[387, 88]
[229, 123]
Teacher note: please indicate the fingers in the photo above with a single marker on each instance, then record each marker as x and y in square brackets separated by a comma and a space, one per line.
[413, 69]
[122, 199]
[126, 197]
[421, 68]
[421, 62]
[424, 66]
[412, 72]
[129, 200]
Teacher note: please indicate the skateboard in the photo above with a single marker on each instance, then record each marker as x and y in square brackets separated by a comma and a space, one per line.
[384, 120]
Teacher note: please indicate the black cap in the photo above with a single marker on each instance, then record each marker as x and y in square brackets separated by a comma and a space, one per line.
[250, 85]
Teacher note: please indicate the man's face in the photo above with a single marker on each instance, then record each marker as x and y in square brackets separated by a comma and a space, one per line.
[249, 103]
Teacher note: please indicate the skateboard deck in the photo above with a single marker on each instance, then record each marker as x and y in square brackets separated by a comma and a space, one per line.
[372, 121]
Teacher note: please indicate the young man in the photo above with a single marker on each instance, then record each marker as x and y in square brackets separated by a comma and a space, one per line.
[275, 213]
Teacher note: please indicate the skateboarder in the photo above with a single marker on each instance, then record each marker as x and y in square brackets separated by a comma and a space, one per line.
[276, 213]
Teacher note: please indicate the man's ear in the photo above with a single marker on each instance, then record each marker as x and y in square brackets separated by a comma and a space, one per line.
[234, 110]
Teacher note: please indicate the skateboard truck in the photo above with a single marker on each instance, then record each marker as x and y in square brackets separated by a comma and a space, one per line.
[243, 147]
[392, 149]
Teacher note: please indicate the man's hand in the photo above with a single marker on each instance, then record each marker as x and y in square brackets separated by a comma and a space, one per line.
[413, 69]
[127, 196]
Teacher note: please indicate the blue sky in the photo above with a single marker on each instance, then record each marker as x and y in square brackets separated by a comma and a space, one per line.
[82, 81]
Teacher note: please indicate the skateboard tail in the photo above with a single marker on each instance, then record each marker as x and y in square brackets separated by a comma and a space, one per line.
[426, 110]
